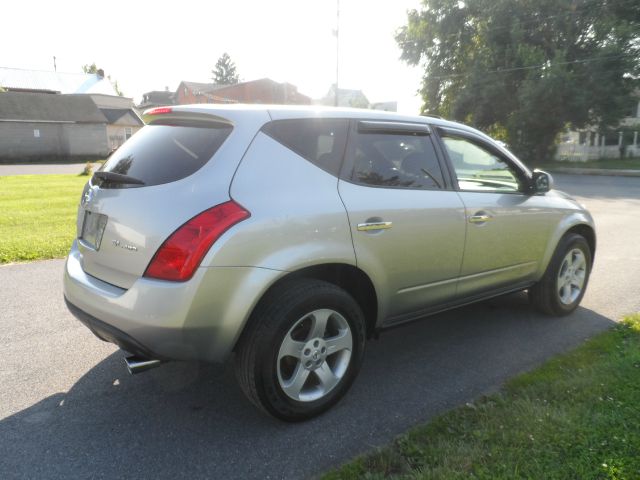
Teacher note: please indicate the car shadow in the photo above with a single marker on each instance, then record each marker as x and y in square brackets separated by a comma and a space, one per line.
[191, 420]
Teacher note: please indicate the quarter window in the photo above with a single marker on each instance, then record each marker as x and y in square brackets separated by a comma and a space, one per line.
[395, 160]
[320, 141]
[478, 169]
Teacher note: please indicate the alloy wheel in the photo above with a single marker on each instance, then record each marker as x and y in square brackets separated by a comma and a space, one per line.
[314, 355]
[571, 276]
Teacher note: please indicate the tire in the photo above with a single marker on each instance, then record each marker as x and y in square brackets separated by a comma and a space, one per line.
[291, 366]
[563, 285]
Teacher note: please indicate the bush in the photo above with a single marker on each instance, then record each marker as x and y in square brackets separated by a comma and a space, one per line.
[88, 170]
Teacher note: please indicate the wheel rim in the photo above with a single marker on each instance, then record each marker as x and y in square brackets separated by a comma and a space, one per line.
[314, 355]
[571, 276]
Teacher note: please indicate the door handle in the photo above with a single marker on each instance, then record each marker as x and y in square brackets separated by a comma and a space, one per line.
[481, 218]
[369, 226]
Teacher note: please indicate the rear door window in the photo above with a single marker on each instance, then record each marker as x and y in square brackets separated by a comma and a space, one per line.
[160, 154]
[319, 140]
[395, 160]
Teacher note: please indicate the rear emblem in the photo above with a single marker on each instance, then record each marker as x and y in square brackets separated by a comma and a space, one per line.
[131, 248]
[87, 197]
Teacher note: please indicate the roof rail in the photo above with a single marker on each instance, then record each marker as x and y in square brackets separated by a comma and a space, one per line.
[427, 114]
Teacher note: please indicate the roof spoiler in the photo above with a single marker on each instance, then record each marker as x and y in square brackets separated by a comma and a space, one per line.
[173, 117]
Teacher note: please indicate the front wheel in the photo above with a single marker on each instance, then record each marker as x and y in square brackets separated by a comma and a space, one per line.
[303, 349]
[563, 285]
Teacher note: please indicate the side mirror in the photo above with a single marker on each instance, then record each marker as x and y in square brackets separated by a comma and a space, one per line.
[542, 181]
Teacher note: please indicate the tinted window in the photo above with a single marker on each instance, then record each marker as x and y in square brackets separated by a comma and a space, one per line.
[321, 141]
[478, 169]
[395, 160]
[161, 154]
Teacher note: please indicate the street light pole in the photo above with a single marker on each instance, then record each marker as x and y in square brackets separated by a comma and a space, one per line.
[337, 48]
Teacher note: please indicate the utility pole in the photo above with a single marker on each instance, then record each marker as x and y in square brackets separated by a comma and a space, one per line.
[337, 48]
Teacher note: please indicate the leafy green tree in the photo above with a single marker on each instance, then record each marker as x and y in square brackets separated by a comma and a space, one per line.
[93, 69]
[224, 73]
[116, 87]
[90, 68]
[526, 69]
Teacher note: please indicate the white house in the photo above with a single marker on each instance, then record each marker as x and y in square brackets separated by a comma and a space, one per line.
[588, 144]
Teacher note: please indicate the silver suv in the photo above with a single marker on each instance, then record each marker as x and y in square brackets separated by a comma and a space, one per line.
[288, 236]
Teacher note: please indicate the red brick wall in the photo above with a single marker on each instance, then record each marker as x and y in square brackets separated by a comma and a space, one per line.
[257, 91]
[185, 96]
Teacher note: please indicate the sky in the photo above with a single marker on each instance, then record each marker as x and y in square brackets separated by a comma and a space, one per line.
[150, 45]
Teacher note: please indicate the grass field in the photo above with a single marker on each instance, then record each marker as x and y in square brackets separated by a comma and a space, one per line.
[576, 417]
[38, 215]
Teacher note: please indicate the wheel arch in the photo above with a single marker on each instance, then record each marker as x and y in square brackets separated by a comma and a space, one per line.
[348, 277]
[589, 235]
[581, 225]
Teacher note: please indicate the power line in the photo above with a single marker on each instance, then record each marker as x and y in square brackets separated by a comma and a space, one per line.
[535, 67]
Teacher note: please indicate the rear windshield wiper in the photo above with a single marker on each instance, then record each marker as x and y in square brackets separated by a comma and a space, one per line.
[117, 178]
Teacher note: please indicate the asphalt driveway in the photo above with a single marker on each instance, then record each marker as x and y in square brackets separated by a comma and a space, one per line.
[68, 409]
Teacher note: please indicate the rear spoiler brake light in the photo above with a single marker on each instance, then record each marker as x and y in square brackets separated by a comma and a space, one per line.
[185, 118]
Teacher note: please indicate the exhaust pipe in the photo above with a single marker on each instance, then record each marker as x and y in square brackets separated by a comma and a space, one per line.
[137, 364]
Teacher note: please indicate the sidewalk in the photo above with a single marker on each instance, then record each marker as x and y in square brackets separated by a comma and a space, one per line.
[35, 169]
[596, 171]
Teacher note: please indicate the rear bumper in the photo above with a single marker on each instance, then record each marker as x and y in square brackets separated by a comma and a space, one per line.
[200, 319]
[108, 333]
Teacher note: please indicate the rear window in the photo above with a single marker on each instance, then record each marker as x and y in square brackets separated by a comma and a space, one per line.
[320, 140]
[160, 154]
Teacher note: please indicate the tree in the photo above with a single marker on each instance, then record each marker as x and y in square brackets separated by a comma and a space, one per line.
[90, 68]
[116, 87]
[93, 70]
[525, 70]
[224, 73]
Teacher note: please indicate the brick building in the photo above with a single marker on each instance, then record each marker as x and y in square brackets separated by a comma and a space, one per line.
[264, 90]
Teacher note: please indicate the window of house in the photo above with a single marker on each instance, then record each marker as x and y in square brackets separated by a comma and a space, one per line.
[395, 160]
[611, 139]
[127, 133]
[582, 138]
[478, 169]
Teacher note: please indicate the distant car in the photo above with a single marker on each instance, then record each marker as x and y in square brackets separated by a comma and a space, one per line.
[290, 235]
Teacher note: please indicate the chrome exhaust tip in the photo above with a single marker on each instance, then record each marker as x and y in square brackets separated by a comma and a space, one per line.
[137, 364]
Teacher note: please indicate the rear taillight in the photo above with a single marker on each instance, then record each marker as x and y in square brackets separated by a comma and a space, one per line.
[181, 253]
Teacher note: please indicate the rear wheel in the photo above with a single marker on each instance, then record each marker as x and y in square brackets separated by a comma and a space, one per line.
[303, 349]
[563, 285]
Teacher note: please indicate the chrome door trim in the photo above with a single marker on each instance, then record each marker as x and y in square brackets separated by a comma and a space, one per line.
[428, 285]
[497, 270]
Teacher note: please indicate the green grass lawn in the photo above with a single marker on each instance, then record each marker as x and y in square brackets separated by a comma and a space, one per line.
[576, 417]
[50, 161]
[38, 215]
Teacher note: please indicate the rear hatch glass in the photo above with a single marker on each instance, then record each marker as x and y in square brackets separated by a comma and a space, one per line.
[120, 225]
[160, 154]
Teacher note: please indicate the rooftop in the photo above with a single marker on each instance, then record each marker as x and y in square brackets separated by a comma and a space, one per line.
[40, 107]
[54, 82]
